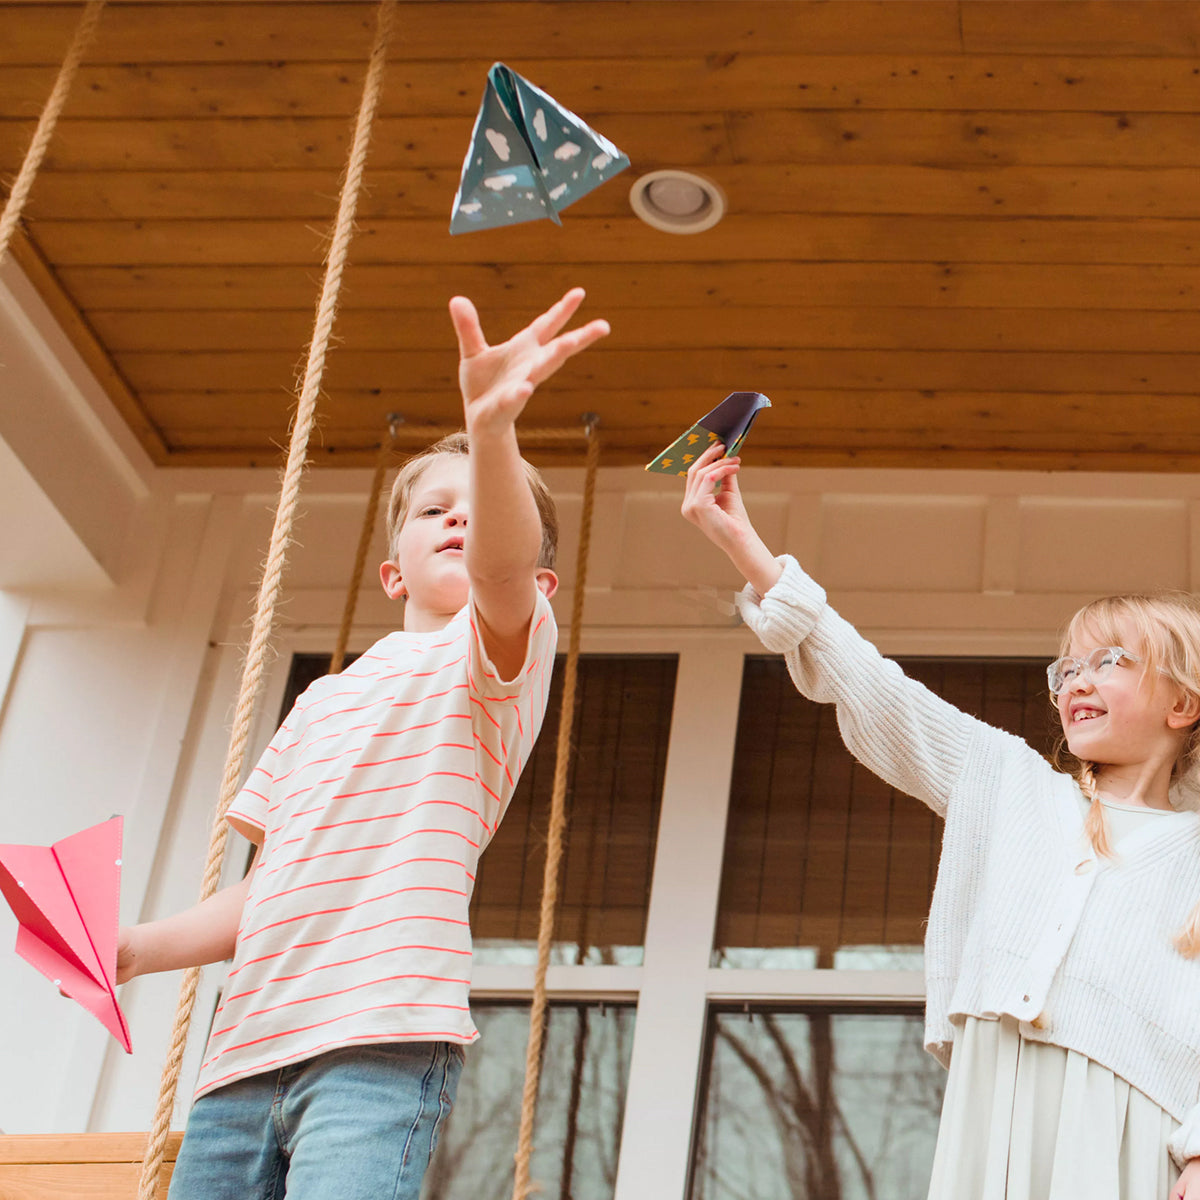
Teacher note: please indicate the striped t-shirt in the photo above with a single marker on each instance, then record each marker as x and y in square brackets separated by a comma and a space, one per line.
[375, 798]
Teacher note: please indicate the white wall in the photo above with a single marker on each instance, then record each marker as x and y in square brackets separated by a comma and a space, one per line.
[119, 661]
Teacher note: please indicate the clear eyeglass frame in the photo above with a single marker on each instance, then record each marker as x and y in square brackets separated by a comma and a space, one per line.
[1096, 666]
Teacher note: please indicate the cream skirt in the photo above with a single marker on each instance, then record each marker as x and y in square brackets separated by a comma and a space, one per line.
[1025, 1120]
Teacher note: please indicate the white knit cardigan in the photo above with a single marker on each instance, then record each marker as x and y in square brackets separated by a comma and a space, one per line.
[1026, 919]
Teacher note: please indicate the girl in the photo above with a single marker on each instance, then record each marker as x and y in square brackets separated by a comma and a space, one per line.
[1063, 952]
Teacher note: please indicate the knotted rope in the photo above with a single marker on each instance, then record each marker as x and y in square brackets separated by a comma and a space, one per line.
[84, 32]
[424, 434]
[558, 823]
[269, 590]
[386, 449]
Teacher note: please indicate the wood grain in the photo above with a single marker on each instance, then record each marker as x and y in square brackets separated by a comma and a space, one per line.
[791, 189]
[665, 78]
[96, 1166]
[765, 238]
[618, 370]
[952, 228]
[407, 289]
[775, 326]
[230, 32]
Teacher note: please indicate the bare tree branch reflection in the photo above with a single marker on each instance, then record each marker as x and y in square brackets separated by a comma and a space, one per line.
[817, 1105]
[580, 1105]
[795, 1116]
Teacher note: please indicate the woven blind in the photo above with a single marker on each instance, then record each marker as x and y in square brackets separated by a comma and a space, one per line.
[622, 726]
[820, 853]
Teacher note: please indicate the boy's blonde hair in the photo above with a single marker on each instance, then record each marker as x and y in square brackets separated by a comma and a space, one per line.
[1167, 626]
[458, 443]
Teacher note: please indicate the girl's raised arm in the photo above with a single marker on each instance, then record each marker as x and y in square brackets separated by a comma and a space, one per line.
[892, 724]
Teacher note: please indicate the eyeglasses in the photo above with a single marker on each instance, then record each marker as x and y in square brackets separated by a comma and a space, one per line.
[1097, 667]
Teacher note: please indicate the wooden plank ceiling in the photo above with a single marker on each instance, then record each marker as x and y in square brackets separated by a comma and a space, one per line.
[959, 233]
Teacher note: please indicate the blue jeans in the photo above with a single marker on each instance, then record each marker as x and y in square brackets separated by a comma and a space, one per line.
[359, 1123]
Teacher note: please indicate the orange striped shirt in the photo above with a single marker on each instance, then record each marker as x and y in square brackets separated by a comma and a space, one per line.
[375, 798]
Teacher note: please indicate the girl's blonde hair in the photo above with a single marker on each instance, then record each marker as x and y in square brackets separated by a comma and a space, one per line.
[1167, 627]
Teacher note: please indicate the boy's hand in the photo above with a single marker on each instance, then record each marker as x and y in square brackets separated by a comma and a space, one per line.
[496, 381]
[126, 955]
[721, 517]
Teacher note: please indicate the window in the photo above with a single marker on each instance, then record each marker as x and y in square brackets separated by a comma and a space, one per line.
[620, 736]
[614, 789]
[824, 1103]
[825, 865]
[581, 1105]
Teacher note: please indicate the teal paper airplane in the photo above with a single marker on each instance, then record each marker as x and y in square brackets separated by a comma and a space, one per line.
[529, 157]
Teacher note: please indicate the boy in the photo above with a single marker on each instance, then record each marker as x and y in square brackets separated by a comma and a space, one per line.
[335, 1054]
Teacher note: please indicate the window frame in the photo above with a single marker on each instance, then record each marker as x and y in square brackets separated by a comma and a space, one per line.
[676, 986]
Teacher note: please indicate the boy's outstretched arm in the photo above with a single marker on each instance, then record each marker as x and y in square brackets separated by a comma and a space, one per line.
[505, 531]
[721, 517]
[204, 933]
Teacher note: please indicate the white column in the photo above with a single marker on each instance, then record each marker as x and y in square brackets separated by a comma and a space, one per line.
[668, 1038]
[189, 596]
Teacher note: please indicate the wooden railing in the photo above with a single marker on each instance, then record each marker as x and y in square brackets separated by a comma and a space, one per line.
[82, 1166]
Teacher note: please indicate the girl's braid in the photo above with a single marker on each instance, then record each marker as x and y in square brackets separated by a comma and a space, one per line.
[1094, 825]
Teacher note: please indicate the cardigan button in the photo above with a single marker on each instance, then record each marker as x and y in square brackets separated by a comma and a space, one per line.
[1025, 998]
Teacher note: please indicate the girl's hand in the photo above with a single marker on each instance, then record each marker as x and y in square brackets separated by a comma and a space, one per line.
[1188, 1185]
[712, 500]
[496, 381]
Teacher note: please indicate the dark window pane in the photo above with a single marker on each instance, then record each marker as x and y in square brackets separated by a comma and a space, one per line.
[306, 669]
[825, 865]
[614, 790]
[818, 1105]
[581, 1104]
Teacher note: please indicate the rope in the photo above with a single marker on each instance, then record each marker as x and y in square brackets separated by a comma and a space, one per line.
[84, 32]
[386, 448]
[558, 822]
[550, 433]
[269, 590]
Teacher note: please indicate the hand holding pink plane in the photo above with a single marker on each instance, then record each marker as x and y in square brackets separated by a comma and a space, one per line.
[66, 898]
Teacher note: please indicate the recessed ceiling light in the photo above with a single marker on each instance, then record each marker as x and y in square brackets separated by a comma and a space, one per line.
[677, 201]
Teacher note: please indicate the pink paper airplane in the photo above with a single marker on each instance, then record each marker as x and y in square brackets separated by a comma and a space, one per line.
[66, 898]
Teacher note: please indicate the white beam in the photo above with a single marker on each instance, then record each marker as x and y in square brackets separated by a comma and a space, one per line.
[189, 594]
[668, 1037]
[57, 421]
